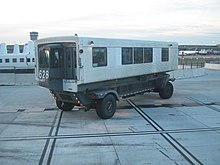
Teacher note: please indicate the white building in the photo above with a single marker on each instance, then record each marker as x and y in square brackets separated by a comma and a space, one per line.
[18, 56]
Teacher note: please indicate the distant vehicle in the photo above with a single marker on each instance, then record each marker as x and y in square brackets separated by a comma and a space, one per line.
[203, 52]
[188, 52]
[96, 72]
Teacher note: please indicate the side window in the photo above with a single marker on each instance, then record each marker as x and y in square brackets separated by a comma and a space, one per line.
[138, 55]
[126, 56]
[99, 56]
[21, 60]
[165, 55]
[14, 60]
[148, 55]
[7, 60]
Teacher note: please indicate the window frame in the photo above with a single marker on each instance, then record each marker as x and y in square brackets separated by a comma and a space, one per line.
[14, 60]
[21, 60]
[96, 54]
[28, 59]
[165, 54]
[138, 55]
[7, 60]
[148, 58]
[127, 56]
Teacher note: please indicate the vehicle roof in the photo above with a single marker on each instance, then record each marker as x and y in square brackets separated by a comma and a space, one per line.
[111, 42]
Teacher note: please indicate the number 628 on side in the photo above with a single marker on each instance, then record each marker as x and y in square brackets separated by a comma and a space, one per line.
[43, 74]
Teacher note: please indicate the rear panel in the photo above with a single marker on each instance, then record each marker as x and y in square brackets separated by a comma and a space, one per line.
[56, 64]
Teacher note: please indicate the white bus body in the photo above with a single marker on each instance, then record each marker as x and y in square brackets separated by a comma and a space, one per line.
[86, 66]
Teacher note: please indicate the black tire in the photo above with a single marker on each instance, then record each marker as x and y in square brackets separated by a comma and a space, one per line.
[64, 106]
[106, 107]
[167, 92]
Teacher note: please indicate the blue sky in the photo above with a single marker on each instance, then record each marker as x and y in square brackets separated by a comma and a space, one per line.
[186, 22]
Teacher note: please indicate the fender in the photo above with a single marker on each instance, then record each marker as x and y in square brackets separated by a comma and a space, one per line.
[162, 81]
[100, 94]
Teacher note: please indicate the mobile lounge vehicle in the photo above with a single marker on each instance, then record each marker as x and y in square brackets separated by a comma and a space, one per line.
[96, 72]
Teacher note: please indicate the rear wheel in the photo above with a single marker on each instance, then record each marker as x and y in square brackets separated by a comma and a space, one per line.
[64, 106]
[106, 107]
[167, 91]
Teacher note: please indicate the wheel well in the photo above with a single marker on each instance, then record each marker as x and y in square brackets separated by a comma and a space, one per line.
[101, 94]
[116, 96]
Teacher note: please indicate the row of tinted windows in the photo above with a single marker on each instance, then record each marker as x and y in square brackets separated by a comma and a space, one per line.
[15, 60]
[137, 55]
[129, 55]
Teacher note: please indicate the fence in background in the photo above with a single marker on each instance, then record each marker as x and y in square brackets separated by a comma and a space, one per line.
[191, 64]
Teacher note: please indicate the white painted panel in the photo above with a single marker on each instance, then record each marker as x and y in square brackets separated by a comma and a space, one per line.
[69, 85]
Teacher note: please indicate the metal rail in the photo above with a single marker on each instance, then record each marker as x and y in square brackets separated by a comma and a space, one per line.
[180, 148]
[203, 104]
[47, 153]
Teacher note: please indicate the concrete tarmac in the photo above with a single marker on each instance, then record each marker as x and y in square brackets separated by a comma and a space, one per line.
[145, 130]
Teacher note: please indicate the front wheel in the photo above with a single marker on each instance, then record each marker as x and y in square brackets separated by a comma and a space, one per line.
[64, 106]
[167, 91]
[106, 107]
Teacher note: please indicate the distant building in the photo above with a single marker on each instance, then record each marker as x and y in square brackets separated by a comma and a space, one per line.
[18, 56]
